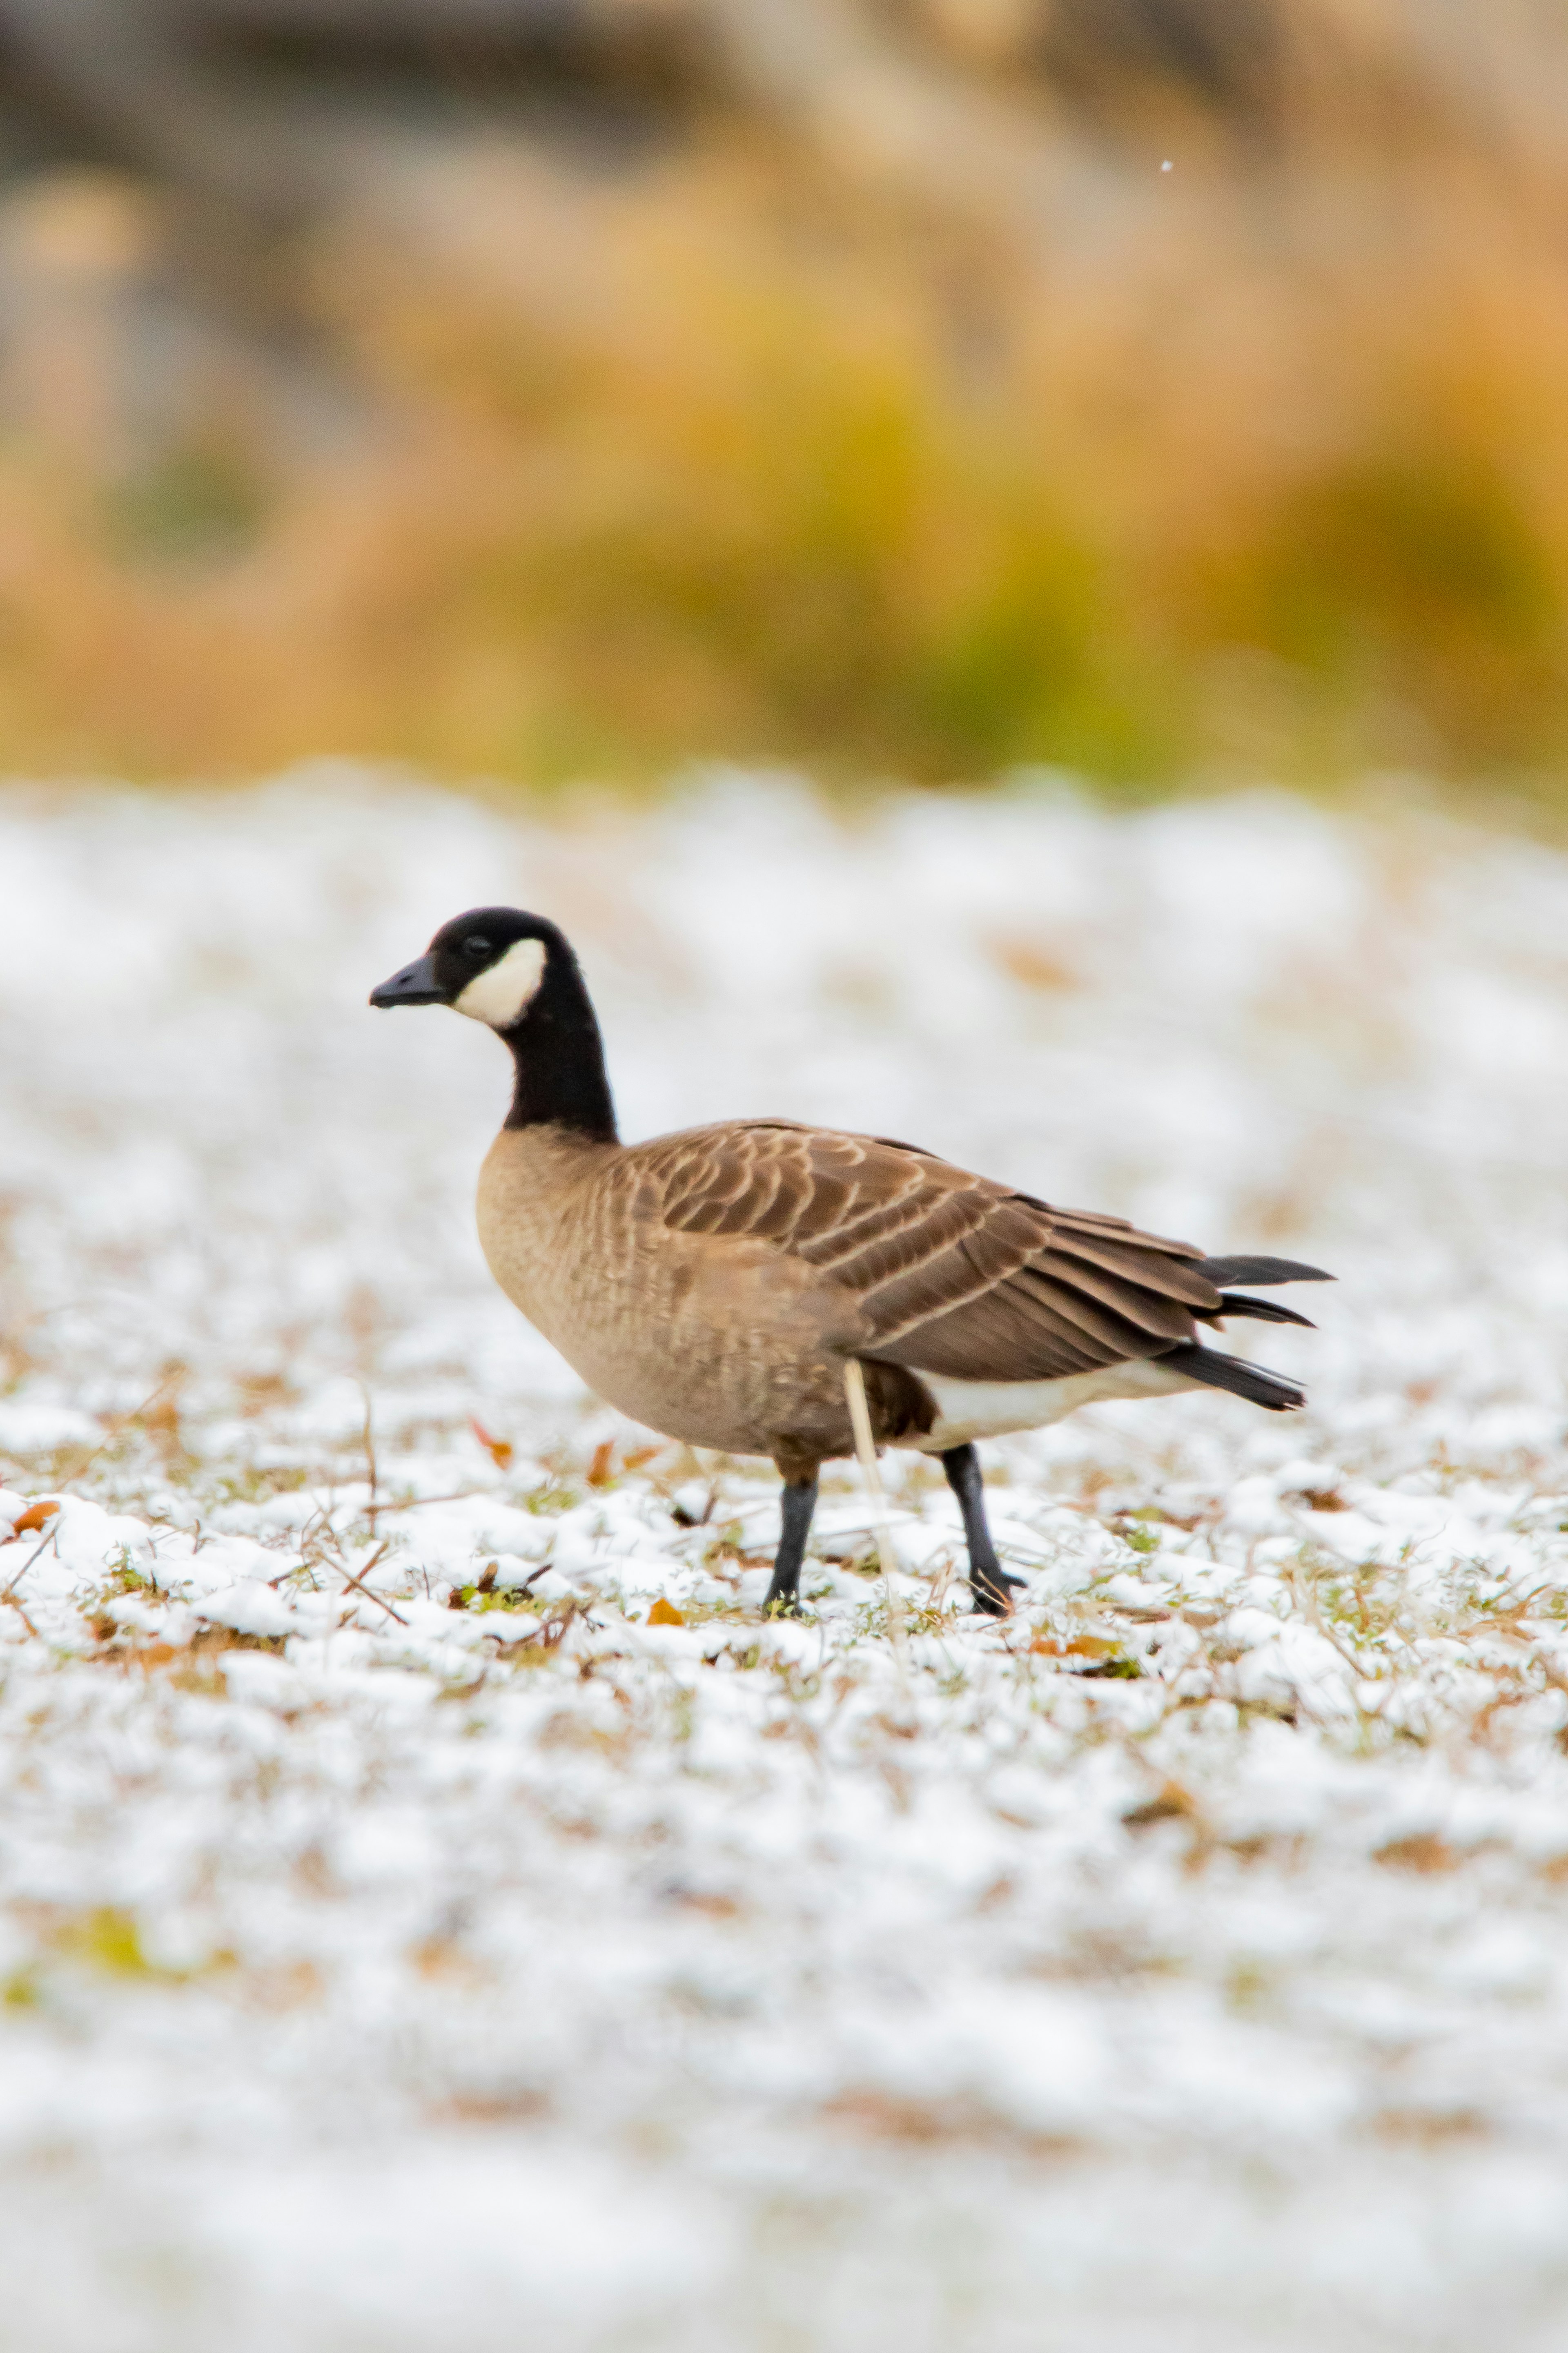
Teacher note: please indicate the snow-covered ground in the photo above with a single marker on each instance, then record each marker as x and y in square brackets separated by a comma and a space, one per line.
[460, 1956]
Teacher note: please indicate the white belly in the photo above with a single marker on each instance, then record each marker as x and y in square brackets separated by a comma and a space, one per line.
[971, 1410]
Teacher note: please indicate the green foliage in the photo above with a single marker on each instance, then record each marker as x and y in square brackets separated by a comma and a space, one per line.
[107, 1939]
[198, 504]
[1421, 576]
[548, 1501]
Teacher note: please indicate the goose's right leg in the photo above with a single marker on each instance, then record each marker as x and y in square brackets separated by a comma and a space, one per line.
[988, 1580]
[799, 1503]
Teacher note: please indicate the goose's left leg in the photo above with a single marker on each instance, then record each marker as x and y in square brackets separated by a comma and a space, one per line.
[799, 1502]
[988, 1580]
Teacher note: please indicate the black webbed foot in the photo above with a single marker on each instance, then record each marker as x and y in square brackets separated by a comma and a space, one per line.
[989, 1586]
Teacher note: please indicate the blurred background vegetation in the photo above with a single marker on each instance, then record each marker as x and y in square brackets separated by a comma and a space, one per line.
[1169, 388]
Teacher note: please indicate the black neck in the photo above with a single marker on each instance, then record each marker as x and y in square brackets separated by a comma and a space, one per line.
[560, 1057]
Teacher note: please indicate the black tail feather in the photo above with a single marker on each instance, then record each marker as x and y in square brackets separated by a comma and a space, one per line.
[1223, 1272]
[1256, 1383]
[1260, 1311]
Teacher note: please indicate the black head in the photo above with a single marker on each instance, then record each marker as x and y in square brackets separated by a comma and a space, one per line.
[517, 974]
[491, 964]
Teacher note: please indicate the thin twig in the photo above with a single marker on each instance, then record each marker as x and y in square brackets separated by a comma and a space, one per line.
[416, 1502]
[360, 1586]
[119, 1423]
[866, 1448]
[370, 1451]
[10, 1598]
[51, 1532]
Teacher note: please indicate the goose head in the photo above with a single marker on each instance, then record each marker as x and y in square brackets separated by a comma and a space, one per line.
[516, 975]
[491, 964]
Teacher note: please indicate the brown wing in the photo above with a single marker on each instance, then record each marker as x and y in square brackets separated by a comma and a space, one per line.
[942, 1272]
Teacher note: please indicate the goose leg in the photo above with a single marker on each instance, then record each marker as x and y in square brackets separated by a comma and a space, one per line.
[799, 1502]
[988, 1580]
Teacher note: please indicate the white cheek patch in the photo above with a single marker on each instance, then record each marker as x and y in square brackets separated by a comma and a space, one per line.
[500, 994]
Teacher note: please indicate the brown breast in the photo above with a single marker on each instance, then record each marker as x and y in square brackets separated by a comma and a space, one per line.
[723, 1343]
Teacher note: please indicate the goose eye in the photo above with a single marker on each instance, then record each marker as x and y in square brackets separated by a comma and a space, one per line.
[476, 947]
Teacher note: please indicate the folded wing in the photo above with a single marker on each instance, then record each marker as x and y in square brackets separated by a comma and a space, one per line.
[953, 1275]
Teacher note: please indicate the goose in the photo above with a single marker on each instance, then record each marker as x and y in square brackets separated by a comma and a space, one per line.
[719, 1284]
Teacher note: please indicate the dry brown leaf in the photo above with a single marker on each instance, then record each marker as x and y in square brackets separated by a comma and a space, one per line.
[37, 1516]
[1423, 1852]
[600, 1471]
[1080, 1646]
[1173, 1804]
[1033, 965]
[665, 1613]
[499, 1450]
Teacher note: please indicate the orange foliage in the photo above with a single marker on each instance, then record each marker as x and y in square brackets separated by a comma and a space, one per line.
[709, 459]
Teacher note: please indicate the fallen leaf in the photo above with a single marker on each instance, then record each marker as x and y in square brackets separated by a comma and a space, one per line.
[1033, 965]
[1317, 1499]
[499, 1450]
[1425, 1851]
[1170, 1804]
[954, 2120]
[599, 1470]
[665, 1613]
[1429, 2127]
[1081, 1646]
[37, 1516]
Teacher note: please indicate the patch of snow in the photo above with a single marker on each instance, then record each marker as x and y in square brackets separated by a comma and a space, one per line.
[1182, 1960]
[38, 1428]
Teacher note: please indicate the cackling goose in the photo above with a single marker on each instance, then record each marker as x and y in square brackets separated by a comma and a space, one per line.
[716, 1284]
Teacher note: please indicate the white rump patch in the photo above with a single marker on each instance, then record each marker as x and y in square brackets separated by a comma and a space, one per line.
[499, 994]
[971, 1410]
